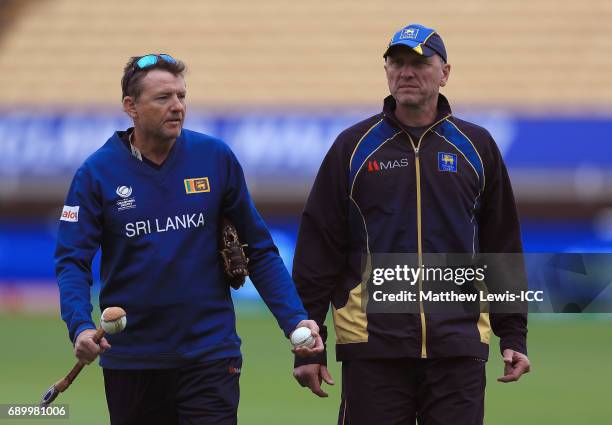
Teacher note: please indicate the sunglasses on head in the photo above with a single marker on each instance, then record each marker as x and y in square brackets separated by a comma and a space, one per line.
[145, 62]
[150, 60]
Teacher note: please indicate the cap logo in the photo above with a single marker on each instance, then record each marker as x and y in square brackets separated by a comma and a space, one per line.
[411, 33]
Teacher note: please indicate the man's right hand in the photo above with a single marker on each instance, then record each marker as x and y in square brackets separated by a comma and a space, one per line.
[311, 376]
[86, 349]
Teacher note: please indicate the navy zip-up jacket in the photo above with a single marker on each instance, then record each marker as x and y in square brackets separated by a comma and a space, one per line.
[380, 191]
[157, 229]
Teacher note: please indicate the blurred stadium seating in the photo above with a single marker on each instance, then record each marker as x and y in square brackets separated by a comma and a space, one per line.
[278, 82]
[536, 54]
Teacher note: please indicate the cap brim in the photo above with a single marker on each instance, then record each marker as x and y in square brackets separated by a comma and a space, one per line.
[415, 46]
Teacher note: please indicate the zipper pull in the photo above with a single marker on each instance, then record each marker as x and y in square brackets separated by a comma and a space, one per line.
[416, 152]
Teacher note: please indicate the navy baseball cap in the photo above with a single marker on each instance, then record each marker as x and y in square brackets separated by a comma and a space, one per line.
[425, 41]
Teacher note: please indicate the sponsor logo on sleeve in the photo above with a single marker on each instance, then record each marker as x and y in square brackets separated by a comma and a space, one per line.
[197, 185]
[70, 214]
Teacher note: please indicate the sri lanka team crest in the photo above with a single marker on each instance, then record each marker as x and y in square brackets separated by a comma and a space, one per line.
[197, 185]
[447, 162]
[409, 33]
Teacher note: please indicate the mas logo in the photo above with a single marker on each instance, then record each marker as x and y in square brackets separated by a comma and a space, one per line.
[70, 214]
[447, 162]
[375, 165]
[197, 185]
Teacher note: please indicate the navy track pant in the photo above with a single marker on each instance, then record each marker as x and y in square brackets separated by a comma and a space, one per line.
[401, 391]
[202, 393]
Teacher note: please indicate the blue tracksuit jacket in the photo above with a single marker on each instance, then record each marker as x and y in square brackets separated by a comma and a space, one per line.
[160, 257]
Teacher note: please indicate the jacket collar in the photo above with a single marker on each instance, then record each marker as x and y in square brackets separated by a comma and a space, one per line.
[389, 105]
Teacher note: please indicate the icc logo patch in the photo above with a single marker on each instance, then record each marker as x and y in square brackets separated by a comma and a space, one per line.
[197, 185]
[124, 191]
[409, 33]
[125, 202]
[447, 162]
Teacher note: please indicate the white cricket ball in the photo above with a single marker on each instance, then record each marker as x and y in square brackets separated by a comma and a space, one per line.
[302, 337]
[113, 320]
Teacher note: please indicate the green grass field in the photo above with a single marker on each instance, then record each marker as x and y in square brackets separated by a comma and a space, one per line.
[569, 384]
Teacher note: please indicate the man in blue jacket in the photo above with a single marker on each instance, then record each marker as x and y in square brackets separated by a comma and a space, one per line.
[152, 198]
[413, 179]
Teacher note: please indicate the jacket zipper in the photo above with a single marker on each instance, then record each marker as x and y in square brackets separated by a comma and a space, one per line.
[417, 166]
[417, 169]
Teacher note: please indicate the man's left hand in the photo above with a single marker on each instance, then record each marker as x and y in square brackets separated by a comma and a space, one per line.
[317, 348]
[516, 364]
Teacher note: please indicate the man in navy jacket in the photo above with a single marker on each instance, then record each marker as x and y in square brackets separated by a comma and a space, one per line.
[152, 198]
[414, 180]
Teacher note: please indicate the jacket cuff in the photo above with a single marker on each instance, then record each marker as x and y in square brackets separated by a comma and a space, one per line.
[80, 329]
[513, 342]
[318, 359]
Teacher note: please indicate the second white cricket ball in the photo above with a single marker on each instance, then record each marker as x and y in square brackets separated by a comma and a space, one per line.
[302, 337]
